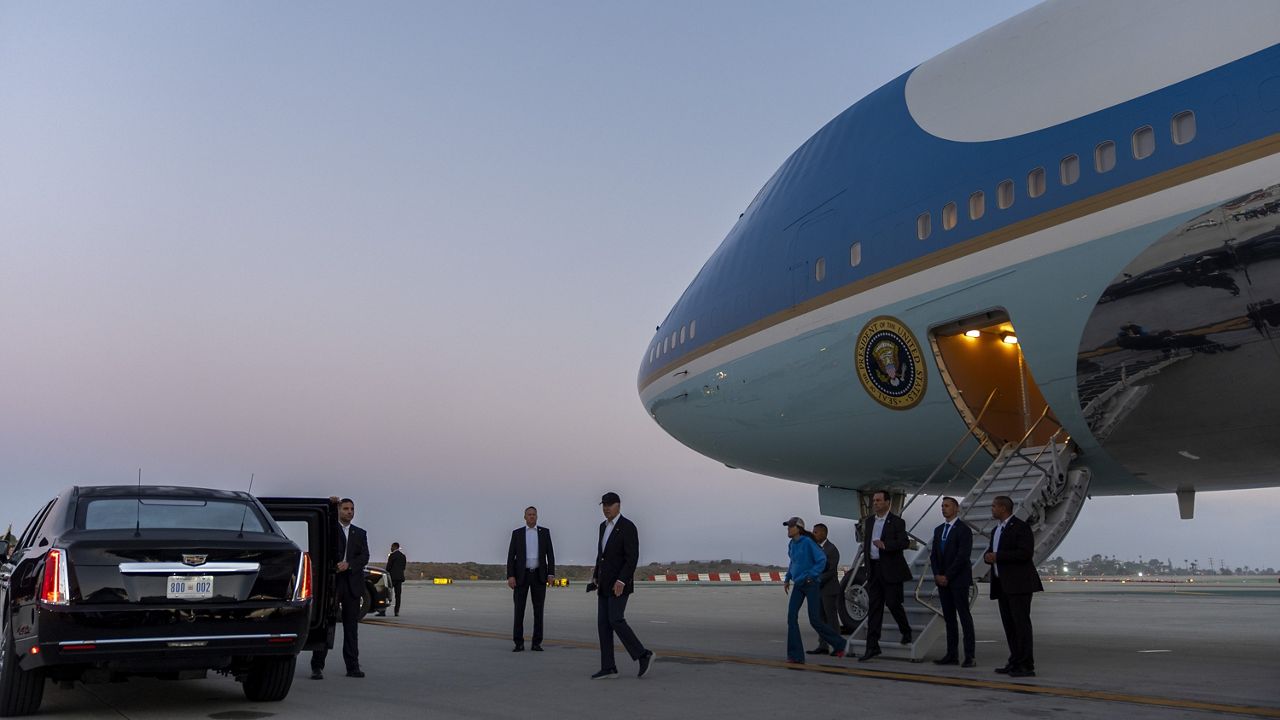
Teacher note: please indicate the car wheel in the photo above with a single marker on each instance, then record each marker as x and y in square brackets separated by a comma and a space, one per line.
[20, 690]
[366, 602]
[270, 678]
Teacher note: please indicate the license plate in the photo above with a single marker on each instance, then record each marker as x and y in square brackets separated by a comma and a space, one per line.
[189, 587]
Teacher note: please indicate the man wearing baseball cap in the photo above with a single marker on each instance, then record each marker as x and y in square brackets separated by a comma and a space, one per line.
[613, 579]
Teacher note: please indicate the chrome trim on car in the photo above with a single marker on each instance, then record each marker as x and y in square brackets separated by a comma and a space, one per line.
[175, 568]
[191, 638]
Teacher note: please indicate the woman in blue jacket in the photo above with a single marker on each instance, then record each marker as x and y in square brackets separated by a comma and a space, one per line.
[807, 563]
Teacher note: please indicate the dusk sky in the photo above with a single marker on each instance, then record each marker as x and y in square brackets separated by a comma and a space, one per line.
[414, 253]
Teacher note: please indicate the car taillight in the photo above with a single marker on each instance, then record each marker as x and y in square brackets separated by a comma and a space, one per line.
[54, 588]
[302, 588]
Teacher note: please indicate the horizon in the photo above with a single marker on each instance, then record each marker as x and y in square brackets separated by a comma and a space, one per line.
[414, 254]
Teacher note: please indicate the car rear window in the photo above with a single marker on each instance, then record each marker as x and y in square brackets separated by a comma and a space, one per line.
[167, 513]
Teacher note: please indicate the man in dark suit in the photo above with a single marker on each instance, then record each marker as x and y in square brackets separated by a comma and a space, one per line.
[531, 562]
[1013, 581]
[353, 555]
[828, 586]
[396, 563]
[884, 538]
[949, 558]
[613, 579]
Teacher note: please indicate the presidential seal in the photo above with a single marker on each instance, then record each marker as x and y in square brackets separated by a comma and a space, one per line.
[890, 365]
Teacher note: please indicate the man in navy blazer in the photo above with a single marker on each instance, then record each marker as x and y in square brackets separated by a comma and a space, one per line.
[1013, 581]
[352, 556]
[613, 579]
[531, 563]
[949, 557]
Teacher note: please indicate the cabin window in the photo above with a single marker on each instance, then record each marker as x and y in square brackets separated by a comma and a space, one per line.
[855, 254]
[1004, 195]
[820, 269]
[693, 329]
[1183, 127]
[1069, 169]
[1144, 142]
[977, 205]
[1104, 156]
[666, 345]
[948, 216]
[923, 227]
[1035, 182]
[682, 334]
[673, 339]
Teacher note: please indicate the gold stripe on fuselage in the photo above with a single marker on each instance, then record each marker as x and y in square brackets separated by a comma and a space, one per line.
[1142, 188]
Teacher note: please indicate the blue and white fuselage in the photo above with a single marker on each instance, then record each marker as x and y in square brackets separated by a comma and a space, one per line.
[1103, 178]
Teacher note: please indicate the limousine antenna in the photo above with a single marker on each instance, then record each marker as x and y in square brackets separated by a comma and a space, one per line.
[245, 514]
[137, 525]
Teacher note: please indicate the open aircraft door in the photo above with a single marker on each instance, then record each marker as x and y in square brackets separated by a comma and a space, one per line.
[981, 354]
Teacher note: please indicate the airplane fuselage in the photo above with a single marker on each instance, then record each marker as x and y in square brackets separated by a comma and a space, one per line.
[1106, 211]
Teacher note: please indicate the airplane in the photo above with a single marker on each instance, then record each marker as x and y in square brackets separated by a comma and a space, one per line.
[1045, 263]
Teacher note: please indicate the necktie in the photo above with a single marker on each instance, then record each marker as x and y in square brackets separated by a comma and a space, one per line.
[946, 530]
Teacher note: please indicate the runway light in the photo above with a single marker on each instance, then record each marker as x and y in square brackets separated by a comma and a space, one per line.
[1009, 338]
[973, 333]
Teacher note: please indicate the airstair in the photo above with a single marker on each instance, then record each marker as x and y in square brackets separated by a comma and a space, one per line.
[1046, 489]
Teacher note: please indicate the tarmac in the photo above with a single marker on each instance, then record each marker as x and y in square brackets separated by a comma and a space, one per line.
[1103, 650]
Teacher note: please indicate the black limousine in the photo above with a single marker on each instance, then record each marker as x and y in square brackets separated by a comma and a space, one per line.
[171, 582]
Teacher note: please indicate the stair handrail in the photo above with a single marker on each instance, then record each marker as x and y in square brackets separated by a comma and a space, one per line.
[1010, 450]
[969, 429]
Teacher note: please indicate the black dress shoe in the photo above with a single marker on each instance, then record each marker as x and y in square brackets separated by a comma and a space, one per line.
[646, 662]
[969, 662]
[606, 674]
[317, 675]
[537, 647]
[948, 660]
[817, 651]
[868, 654]
[906, 638]
[357, 673]
[1020, 673]
[518, 648]
[1004, 670]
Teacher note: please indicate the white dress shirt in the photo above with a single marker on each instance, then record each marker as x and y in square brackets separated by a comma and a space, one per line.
[346, 536]
[995, 544]
[608, 530]
[876, 532]
[531, 547]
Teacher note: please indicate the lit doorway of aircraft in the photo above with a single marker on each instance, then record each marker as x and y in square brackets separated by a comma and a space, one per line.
[981, 354]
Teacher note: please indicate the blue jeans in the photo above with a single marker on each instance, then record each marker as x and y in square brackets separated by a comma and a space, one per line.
[808, 590]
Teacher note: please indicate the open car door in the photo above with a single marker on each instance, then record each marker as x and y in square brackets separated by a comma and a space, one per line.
[311, 523]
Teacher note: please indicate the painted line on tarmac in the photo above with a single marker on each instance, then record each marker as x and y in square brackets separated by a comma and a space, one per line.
[1047, 690]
